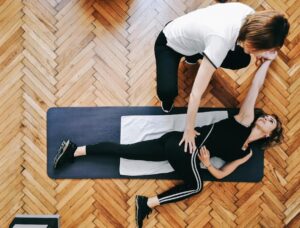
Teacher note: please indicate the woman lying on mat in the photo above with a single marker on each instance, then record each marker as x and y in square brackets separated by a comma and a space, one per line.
[227, 139]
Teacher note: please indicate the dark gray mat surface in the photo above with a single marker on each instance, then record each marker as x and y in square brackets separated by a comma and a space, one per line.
[89, 125]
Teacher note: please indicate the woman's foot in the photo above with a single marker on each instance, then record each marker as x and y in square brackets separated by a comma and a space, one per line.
[64, 154]
[141, 210]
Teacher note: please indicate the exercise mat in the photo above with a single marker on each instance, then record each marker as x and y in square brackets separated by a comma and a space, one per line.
[90, 125]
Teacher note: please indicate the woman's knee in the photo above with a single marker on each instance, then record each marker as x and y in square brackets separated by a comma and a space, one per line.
[242, 63]
[193, 59]
[160, 41]
[195, 183]
[167, 91]
[196, 187]
[236, 59]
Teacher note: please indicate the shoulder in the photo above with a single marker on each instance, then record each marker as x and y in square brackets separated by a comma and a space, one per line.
[245, 120]
[241, 7]
[216, 48]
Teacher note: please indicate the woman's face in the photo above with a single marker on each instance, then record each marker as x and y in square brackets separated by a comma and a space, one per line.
[266, 123]
[248, 49]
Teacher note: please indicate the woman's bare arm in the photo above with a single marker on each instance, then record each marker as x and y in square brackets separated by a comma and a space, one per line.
[230, 167]
[226, 169]
[202, 79]
[246, 113]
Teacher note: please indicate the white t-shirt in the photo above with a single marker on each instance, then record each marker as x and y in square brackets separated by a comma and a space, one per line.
[210, 31]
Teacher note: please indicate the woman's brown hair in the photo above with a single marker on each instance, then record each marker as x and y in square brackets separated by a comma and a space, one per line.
[264, 30]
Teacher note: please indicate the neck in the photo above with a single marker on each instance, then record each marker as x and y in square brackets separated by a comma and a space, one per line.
[255, 135]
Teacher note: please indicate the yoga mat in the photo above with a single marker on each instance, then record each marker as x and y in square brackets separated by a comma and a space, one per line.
[90, 125]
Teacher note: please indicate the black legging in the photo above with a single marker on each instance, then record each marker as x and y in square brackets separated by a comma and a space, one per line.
[167, 61]
[187, 166]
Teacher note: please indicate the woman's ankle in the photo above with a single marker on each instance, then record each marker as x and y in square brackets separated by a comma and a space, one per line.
[153, 202]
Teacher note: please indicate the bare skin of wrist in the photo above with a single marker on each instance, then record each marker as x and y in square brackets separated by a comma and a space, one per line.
[208, 165]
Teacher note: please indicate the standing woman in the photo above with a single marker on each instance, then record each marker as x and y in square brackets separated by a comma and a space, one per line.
[222, 35]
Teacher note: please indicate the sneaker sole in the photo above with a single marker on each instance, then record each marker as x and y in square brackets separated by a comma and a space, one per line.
[166, 111]
[62, 149]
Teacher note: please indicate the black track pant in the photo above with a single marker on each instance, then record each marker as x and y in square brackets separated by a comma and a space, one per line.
[167, 61]
[187, 166]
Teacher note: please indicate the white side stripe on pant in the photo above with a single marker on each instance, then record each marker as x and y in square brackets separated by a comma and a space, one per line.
[197, 176]
[189, 192]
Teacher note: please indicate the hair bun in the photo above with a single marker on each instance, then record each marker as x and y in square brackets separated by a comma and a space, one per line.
[281, 26]
[282, 23]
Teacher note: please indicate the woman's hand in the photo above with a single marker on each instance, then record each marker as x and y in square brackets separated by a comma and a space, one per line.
[204, 156]
[269, 55]
[189, 140]
[266, 56]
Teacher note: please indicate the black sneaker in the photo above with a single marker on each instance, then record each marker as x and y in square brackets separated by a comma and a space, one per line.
[141, 210]
[65, 153]
[166, 106]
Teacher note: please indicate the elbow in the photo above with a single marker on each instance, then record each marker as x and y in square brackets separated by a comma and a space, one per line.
[219, 177]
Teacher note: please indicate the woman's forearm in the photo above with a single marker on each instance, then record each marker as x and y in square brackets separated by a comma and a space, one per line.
[260, 74]
[202, 79]
[228, 168]
[217, 173]
[192, 111]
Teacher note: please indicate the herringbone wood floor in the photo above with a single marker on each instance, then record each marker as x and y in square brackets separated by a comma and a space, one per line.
[100, 53]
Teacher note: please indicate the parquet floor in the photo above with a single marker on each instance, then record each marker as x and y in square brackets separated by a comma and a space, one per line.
[100, 53]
